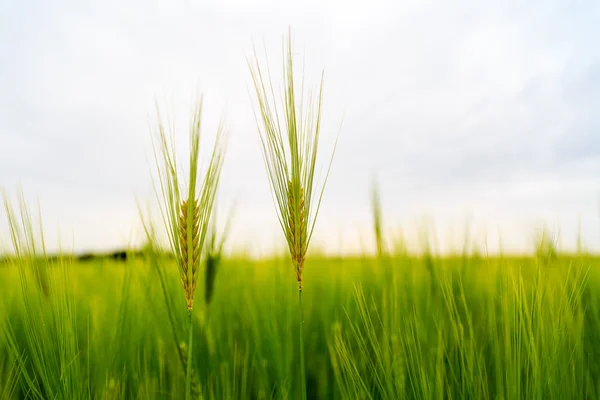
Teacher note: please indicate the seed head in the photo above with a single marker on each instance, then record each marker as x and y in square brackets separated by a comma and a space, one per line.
[297, 230]
[189, 243]
[290, 152]
[187, 211]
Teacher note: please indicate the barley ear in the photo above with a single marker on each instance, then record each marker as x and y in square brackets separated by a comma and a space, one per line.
[297, 230]
[186, 216]
[289, 137]
[189, 237]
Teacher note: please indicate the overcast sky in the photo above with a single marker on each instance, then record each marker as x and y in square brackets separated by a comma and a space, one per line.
[482, 112]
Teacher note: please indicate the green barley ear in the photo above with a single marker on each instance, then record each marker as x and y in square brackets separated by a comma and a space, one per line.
[289, 147]
[297, 230]
[189, 229]
[186, 211]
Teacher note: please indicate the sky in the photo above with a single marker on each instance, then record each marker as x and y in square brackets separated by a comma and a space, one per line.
[478, 117]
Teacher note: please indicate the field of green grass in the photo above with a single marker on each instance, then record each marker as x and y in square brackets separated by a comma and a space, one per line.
[374, 328]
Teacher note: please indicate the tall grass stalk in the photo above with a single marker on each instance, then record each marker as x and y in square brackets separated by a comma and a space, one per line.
[186, 216]
[302, 364]
[289, 148]
[45, 339]
[27, 245]
[377, 220]
[188, 372]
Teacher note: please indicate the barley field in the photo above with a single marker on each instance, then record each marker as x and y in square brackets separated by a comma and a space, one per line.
[374, 328]
[182, 319]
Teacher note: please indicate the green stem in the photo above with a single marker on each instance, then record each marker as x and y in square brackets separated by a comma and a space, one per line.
[302, 372]
[188, 372]
[169, 308]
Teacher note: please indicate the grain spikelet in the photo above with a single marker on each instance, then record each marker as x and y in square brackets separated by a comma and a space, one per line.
[297, 229]
[189, 243]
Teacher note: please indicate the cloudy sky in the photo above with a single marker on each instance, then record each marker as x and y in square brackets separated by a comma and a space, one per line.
[467, 113]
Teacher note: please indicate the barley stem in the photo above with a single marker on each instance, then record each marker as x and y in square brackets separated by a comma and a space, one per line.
[303, 371]
[188, 372]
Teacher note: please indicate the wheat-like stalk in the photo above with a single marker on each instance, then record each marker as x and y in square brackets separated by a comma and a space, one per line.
[290, 155]
[290, 149]
[25, 243]
[187, 217]
[377, 220]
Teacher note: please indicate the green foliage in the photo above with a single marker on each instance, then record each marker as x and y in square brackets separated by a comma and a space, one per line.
[506, 328]
[27, 243]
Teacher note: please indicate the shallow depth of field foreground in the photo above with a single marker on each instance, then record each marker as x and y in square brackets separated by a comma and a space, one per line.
[386, 328]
